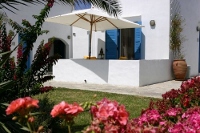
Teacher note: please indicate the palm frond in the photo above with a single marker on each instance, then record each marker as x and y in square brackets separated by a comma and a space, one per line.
[111, 6]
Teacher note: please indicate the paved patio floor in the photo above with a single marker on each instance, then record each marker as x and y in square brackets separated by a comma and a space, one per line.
[154, 90]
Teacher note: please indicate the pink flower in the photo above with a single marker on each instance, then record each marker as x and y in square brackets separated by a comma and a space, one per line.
[191, 119]
[50, 3]
[66, 111]
[58, 109]
[186, 100]
[188, 84]
[22, 105]
[173, 111]
[113, 116]
[12, 64]
[31, 119]
[104, 109]
[19, 53]
[46, 89]
[177, 128]
[110, 128]
[94, 127]
[151, 116]
[123, 115]
[73, 109]
[14, 77]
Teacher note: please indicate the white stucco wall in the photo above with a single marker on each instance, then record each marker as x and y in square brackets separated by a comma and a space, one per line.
[190, 10]
[80, 40]
[55, 30]
[155, 43]
[78, 70]
[124, 72]
[155, 40]
[114, 72]
[155, 71]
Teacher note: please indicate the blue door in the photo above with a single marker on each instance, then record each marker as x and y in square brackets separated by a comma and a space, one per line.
[112, 44]
[138, 41]
[28, 63]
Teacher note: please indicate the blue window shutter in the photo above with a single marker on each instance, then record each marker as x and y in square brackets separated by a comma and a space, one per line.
[138, 41]
[81, 5]
[28, 63]
[112, 44]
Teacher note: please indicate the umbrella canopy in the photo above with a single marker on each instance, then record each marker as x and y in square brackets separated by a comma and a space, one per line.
[92, 20]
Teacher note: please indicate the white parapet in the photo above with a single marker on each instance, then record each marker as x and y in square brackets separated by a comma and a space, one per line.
[114, 72]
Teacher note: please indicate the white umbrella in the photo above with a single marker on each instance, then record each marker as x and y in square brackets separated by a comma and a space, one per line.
[92, 20]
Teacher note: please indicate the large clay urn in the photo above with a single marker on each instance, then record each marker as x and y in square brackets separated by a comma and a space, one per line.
[180, 69]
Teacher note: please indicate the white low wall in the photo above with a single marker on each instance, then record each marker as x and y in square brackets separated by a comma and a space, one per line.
[78, 70]
[155, 71]
[123, 72]
[115, 72]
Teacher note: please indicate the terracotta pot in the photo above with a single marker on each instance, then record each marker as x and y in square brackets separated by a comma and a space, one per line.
[180, 69]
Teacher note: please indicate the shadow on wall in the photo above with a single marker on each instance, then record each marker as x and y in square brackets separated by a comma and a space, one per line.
[160, 71]
[99, 67]
[101, 44]
[143, 46]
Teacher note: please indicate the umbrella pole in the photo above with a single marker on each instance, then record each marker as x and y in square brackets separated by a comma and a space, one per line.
[90, 40]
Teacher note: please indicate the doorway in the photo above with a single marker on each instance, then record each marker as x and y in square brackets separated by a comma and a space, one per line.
[124, 43]
[127, 43]
[59, 48]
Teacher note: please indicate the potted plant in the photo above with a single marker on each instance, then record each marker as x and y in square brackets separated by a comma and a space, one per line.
[176, 40]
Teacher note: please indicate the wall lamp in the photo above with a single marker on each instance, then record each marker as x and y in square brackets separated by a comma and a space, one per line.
[198, 28]
[152, 23]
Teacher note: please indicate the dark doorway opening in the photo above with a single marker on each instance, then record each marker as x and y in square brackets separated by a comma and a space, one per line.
[59, 48]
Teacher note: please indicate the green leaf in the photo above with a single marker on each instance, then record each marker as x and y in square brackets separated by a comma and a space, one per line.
[36, 113]
[6, 86]
[25, 129]
[4, 127]
[4, 53]
[4, 104]
[5, 58]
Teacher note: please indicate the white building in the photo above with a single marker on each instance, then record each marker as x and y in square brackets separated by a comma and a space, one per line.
[147, 49]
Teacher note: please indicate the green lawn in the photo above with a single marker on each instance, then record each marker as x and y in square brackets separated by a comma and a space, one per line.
[134, 104]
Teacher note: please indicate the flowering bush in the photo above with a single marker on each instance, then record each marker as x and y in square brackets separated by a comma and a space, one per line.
[188, 95]
[177, 112]
[46, 89]
[21, 108]
[110, 114]
[16, 79]
[188, 123]
[25, 80]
